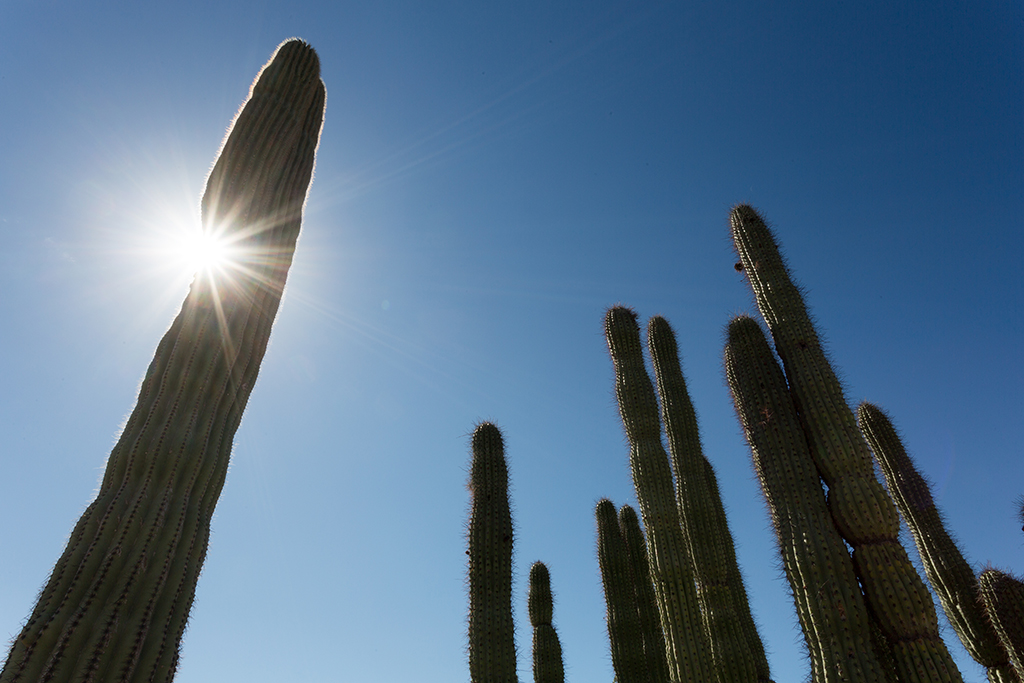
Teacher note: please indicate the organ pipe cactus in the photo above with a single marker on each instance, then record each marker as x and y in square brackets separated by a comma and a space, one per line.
[116, 604]
[860, 508]
[492, 651]
[691, 547]
[1003, 597]
[625, 634]
[647, 608]
[547, 650]
[949, 574]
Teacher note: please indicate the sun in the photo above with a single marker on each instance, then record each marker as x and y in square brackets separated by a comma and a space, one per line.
[202, 251]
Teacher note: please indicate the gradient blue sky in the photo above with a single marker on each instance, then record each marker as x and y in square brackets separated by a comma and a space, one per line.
[490, 178]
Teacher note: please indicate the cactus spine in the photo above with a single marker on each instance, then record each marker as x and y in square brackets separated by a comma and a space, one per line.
[547, 651]
[116, 604]
[492, 651]
[950, 575]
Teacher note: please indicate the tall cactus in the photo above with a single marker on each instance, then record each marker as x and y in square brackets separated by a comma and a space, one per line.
[547, 650]
[116, 604]
[492, 651]
[829, 604]
[686, 525]
[863, 513]
[947, 570]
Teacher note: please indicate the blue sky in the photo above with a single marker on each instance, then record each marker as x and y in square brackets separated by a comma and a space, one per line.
[490, 178]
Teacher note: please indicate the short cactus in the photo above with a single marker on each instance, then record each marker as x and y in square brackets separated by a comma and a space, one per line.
[116, 604]
[547, 650]
[647, 608]
[1003, 597]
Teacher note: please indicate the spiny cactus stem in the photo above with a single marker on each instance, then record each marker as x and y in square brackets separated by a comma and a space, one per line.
[671, 566]
[647, 608]
[492, 654]
[547, 650]
[117, 602]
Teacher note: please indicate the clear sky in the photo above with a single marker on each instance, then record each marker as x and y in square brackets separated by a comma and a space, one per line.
[490, 178]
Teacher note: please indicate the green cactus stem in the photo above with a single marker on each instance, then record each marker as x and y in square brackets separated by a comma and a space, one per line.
[829, 604]
[492, 652]
[1003, 597]
[860, 507]
[115, 607]
[950, 575]
[647, 608]
[623, 617]
[736, 647]
[547, 650]
[689, 656]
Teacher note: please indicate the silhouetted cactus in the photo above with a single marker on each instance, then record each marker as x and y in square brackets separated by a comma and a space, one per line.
[547, 650]
[1003, 596]
[949, 574]
[860, 507]
[647, 608]
[492, 650]
[115, 607]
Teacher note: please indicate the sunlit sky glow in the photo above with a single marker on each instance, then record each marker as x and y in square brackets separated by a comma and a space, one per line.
[490, 178]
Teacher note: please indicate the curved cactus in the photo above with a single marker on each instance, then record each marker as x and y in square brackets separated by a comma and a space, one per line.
[492, 651]
[547, 650]
[862, 511]
[829, 604]
[116, 604]
[949, 574]
[1003, 597]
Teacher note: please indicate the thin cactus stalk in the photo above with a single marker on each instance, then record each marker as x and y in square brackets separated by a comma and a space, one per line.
[863, 512]
[116, 604]
[1003, 597]
[949, 573]
[736, 646]
[647, 608]
[689, 656]
[492, 652]
[625, 634]
[547, 650]
[829, 604]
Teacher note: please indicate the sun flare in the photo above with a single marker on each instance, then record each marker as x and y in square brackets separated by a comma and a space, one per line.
[201, 250]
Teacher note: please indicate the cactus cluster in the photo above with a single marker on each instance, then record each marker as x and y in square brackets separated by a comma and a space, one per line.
[492, 650]
[116, 603]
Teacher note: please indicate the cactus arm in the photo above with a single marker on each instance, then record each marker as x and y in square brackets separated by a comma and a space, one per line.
[829, 604]
[1003, 597]
[117, 602]
[736, 646]
[647, 609]
[492, 653]
[623, 617]
[948, 572]
[670, 564]
[862, 510]
[547, 650]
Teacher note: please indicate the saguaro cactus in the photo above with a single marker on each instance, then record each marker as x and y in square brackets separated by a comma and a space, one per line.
[492, 650]
[116, 604]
